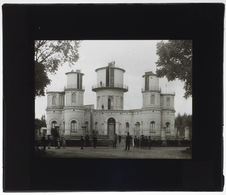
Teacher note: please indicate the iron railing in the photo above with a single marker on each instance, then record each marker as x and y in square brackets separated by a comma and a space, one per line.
[119, 86]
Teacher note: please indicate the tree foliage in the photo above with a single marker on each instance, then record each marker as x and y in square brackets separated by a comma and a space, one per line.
[175, 62]
[49, 55]
[40, 123]
[182, 121]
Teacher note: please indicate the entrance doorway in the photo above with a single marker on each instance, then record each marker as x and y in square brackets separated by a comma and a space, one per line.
[111, 127]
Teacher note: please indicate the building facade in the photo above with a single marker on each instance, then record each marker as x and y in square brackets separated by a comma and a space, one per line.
[66, 109]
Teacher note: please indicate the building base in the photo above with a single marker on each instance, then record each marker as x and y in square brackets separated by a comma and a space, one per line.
[164, 143]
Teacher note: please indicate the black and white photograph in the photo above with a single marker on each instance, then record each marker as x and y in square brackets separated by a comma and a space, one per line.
[113, 99]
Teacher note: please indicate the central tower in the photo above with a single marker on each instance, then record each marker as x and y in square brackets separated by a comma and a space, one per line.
[110, 88]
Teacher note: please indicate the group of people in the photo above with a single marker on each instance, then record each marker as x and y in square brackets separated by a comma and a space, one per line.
[142, 142]
[137, 142]
[86, 141]
[57, 142]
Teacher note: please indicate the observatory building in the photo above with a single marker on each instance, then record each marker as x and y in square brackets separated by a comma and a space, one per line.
[67, 111]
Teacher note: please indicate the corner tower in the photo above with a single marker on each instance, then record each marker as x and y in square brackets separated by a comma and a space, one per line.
[151, 90]
[74, 91]
[110, 87]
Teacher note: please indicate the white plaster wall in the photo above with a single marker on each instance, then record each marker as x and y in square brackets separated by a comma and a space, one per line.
[164, 101]
[72, 80]
[144, 117]
[101, 76]
[53, 115]
[118, 80]
[147, 99]
[87, 117]
[59, 99]
[78, 116]
[169, 116]
[117, 99]
[121, 118]
[79, 98]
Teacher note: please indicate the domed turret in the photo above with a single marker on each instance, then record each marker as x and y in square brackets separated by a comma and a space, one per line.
[151, 90]
[110, 88]
[74, 90]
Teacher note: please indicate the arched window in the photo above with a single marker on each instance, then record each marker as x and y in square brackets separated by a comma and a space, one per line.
[73, 126]
[54, 100]
[53, 124]
[152, 99]
[152, 126]
[167, 126]
[73, 97]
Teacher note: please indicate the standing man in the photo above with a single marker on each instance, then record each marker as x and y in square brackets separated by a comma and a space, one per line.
[94, 140]
[63, 142]
[87, 140]
[82, 142]
[149, 142]
[48, 141]
[115, 140]
[119, 139]
[128, 141]
[135, 141]
[44, 142]
[142, 141]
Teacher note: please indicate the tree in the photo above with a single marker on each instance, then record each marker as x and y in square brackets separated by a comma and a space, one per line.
[182, 121]
[48, 56]
[175, 62]
[43, 120]
[40, 123]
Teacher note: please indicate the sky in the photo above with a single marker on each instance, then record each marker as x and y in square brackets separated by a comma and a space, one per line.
[135, 56]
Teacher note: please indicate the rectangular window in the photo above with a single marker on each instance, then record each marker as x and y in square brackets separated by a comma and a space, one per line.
[168, 101]
[152, 126]
[98, 102]
[153, 99]
[54, 100]
[73, 98]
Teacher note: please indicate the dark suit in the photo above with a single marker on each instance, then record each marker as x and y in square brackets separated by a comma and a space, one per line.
[128, 141]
